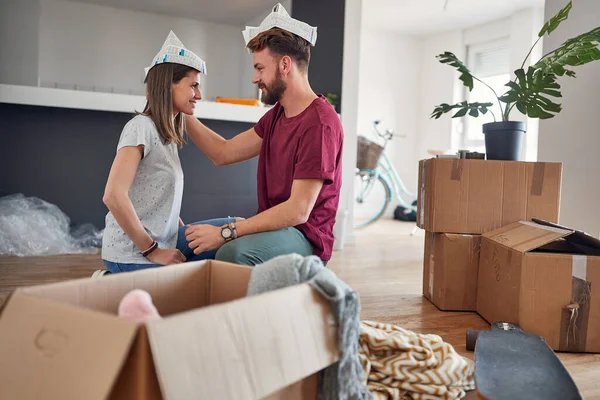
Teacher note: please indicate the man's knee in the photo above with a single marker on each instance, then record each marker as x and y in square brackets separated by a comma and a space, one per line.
[233, 253]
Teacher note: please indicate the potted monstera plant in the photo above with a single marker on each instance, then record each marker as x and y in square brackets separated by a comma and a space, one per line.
[530, 91]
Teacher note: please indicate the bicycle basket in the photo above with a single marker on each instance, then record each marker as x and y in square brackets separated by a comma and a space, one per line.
[367, 154]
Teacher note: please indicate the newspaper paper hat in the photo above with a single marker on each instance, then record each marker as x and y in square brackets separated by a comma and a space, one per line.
[280, 18]
[173, 51]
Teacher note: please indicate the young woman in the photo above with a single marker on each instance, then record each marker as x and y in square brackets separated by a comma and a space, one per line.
[145, 184]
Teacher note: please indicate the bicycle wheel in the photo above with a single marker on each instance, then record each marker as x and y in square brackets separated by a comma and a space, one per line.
[372, 194]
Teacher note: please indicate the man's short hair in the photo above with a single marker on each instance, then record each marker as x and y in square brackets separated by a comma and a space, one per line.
[283, 43]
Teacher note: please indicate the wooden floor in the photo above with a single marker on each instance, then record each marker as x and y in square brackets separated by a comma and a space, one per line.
[384, 266]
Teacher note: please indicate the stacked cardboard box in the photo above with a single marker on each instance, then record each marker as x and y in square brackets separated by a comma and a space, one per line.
[460, 199]
[450, 270]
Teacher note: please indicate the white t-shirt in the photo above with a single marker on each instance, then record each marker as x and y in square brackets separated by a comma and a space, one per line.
[156, 194]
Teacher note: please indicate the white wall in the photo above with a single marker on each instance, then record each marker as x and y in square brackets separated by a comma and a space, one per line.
[349, 111]
[389, 87]
[91, 45]
[572, 137]
[437, 84]
[19, 22]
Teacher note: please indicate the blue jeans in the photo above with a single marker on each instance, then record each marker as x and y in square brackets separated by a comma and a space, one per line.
[182, 245]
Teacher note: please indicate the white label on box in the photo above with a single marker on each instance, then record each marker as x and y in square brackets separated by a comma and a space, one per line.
[579, 267]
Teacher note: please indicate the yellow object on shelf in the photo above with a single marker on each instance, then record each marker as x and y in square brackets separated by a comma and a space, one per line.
[243, 102]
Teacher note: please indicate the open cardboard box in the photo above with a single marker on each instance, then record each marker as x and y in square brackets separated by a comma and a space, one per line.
[544, 277]
[65, 341]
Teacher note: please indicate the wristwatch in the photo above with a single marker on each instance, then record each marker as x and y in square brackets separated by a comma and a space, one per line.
[229, 232]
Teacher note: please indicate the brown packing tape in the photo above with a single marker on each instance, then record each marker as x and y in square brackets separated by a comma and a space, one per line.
[575, 316]
[457, 168]
[431, 264]
[423, 179]
[537, 182]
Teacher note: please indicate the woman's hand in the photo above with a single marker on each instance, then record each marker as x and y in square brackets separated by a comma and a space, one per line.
[166, 256]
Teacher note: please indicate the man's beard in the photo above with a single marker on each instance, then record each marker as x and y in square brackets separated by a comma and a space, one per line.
[273, 93]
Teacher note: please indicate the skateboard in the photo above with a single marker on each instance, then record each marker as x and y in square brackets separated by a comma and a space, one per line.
[512, 364]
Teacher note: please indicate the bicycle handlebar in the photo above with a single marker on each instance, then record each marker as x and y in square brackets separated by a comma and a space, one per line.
[389, 133]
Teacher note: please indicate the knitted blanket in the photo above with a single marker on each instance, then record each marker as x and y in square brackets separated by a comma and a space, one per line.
[400, 365]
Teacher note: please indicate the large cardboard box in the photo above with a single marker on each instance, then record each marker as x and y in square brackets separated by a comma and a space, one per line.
[450, 266]
[64, 341]
[477, 196]
[546, 278]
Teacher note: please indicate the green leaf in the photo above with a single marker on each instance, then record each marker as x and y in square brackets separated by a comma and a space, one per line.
[509, 97]
[463, 108]
[528, 93]
[512, 85]
[535, 111]
[574, 52]
[466, 77]
[461, 113]
[555, 21]
[558, 69]
[551, 92]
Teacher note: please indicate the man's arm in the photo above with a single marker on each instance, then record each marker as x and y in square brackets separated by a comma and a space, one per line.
[242, 147]
[292, 212]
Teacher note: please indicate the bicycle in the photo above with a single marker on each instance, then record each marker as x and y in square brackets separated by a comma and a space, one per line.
[376, 181]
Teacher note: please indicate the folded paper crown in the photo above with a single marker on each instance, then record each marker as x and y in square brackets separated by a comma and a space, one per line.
[280, 18]
[173, 51]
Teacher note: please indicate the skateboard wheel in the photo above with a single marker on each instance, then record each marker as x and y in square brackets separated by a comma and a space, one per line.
[472, 336]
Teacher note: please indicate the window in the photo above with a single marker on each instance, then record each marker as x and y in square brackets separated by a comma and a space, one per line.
[490, 62]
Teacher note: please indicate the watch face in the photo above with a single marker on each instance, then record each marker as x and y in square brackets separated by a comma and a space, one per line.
[226, 233]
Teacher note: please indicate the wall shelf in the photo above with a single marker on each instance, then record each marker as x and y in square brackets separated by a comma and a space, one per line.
[115, 102]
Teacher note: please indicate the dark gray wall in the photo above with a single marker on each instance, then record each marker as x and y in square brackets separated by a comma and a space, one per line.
[325, 71]
[63, 156]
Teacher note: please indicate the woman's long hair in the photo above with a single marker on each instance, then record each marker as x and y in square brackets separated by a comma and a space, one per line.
[159, 100]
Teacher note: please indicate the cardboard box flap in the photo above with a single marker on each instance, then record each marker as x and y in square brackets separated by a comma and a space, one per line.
[525, 236]
[52, 350]
[244, 349]
[578, 238]
[173, 290]
[228, 281]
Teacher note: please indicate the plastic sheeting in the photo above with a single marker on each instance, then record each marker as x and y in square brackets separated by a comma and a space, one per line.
[30, 226]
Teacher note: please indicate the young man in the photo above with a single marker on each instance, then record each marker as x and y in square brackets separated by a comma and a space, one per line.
[299, 145]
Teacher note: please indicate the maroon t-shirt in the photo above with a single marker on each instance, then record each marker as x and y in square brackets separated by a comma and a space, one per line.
[307, 146]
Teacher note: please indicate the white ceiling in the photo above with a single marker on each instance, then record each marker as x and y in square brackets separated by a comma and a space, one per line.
[412, 17]
[424, 17]
[233, 12]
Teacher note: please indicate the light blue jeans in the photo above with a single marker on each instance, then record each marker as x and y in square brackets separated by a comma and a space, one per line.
[246, 250]
[182, 245]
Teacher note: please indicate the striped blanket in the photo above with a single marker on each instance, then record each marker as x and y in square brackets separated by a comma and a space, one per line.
[402, 365]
